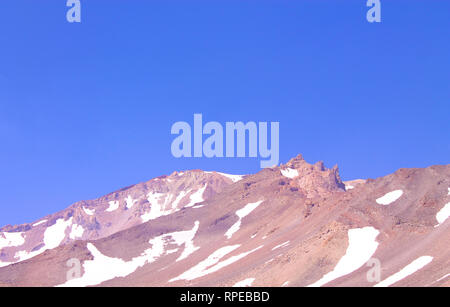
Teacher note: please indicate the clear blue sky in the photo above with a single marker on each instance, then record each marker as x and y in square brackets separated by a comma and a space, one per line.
[86, 109]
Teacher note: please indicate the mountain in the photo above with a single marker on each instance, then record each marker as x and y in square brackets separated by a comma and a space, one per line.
[99, 218]
[293, 225]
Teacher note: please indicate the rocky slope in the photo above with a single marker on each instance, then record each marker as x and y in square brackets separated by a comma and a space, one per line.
[293, 225]
[94, 219]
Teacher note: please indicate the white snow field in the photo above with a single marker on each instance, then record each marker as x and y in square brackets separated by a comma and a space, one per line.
[241, 213]
[443, 214]
[76, 232]
[39, 223]
[196, 197]
[130, 202]
[362, 245]
[281, 245]
[234, 178]
[88, 211]
[10, 239]
[390, 197]
[244, 283]
[410, 269]
[103, 268]
[55, 234]
[212, 263]
[113, 206]
[289, 173]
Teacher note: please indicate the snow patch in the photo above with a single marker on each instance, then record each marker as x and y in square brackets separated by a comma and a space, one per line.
[113, 206]
[76, 232]
[390, 197]
[24, 255]
[177, 200]
[156, 209]
[233, 229]
[212, 263]
[197, 197]
[281, 245]
[130, 202]
[410, 269]
[103, 268]
[269, 261]
[248, 209]
[11, 239]
[53, 237]
[55, 234]
[161, 207]
[186, 238]
[39, 223]
[442, 278]
[443, 215]
[349, 187]
[88, 211]
[244, 283]
[241, 213]
[3, 264]
[289, 173]
[234, 178]
[362, 245]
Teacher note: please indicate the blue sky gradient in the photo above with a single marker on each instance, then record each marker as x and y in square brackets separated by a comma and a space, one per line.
[86, 109]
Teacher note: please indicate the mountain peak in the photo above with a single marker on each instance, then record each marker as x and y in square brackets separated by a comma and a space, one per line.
[313, 179]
